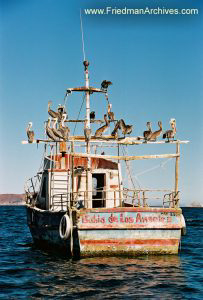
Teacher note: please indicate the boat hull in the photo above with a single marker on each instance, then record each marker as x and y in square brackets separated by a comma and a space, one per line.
[109, 232]
[44, 228]
[129, 231]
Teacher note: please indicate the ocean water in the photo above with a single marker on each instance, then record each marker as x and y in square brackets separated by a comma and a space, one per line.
[29, 273]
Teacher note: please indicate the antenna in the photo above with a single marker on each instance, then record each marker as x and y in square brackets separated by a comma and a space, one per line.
[83, 44]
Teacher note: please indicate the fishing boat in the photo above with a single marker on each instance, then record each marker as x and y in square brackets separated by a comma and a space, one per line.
[77, 203]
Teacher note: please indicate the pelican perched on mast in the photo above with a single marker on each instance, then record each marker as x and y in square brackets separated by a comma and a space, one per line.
[30, 133]
[105, 84]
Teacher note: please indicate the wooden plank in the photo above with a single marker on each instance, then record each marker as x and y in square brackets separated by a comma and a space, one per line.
[110, 140]
[127, 157]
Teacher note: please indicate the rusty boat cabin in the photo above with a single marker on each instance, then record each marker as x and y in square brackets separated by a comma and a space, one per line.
[78, 205]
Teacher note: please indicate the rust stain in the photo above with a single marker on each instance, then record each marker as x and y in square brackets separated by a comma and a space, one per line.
[96, 163]
[131, 209]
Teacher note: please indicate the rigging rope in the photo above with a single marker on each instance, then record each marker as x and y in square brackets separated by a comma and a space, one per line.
[79, 113]
[83, 44]
[161, 165]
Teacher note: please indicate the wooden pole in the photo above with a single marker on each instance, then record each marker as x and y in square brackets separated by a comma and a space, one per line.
[119, 178]
[72, 173]
[117, 157]
[87, 126]
[177, 171]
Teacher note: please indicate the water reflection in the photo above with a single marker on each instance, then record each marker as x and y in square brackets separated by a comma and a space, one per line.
[110, 277]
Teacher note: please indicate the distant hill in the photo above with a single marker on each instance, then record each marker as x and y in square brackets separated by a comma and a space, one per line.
[12, 199]
[196, 204]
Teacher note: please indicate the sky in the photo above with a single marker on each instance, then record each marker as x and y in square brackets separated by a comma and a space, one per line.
[154, 61]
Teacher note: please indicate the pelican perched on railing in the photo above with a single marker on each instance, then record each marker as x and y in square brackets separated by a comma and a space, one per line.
[154, 135]
[126, 129]
[30, 133]
[117, 126]
[65, 131]
[52, 113]
[102, 129]
[170, 134]
[49, 131]
[57, 132]
[146, 133]
[110, 113]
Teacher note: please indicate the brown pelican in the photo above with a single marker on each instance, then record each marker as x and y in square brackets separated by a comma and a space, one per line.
[146, 133]
[30, 133]
[64, 130]
[102, 129]
[87, 133]
[92, 115]
[170, 134]
[126, 129]
[110, 113]
[61, 110]
[56, 132]
[154, 135]
[114, 132]
[105, 84]
[52, 113]
[49, 131]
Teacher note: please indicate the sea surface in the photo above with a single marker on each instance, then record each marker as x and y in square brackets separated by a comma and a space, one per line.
[29, 273]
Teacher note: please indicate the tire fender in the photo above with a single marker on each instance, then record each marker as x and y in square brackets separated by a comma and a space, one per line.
[183, 228]
[65, 227]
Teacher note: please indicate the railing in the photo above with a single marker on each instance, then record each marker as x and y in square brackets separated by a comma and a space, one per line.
[110, 198]
[31, 188]
[172, 199]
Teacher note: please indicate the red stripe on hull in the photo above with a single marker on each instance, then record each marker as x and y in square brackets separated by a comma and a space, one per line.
[153, 242]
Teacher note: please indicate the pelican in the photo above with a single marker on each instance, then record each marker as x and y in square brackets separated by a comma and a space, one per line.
[49, 131]
[102, 129]
[87, 133]
[154, 135]
[92, 115]
[114, 132]
[57, 132]
[146, 133]
[170, 134]
[30, 133]
[126, 129]
[64, 130]
[52, 113]
[61, 110]
[110, 113]
[105, 84]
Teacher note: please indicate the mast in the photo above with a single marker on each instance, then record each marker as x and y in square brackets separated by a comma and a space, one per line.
[88, 203]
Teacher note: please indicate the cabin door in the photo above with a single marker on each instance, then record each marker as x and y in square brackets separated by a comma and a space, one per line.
[98, 190]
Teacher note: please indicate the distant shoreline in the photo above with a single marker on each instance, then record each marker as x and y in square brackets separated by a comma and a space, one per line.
[19, 200]
[12, 199]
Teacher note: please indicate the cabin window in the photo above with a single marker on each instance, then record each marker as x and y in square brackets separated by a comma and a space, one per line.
[43, 194]
[98, 193]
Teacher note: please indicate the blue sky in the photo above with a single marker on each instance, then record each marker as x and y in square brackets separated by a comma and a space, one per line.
[154, 62]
